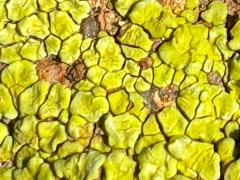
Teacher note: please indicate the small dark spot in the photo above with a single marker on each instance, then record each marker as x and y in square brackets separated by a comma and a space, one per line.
[55, 58]
[90, 27]
[77, 71]
[214, 78]
[158, 98]
[95, 11]
[145, 63]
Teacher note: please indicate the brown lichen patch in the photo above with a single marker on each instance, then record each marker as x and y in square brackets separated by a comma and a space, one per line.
[77, 72]
[52, 71]
[111, 19]
[158, 98]
[90, 27]
[177, 6]
[233, 7]
[106, 16]
[145, 63]
[214, 78]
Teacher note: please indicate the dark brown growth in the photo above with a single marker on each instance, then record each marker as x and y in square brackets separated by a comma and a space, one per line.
[108, 19]
[231, 21]
[145, 63]
[214, 78]
[77, 71]
[158, 98]
[90, 27]
[52, 71]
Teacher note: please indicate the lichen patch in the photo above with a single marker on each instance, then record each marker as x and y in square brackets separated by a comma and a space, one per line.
[158, 98]
[52, 71]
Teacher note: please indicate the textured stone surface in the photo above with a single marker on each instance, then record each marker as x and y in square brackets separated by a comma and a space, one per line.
[138, 89]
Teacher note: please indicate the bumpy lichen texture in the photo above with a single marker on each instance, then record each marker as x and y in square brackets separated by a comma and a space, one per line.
[155, 97]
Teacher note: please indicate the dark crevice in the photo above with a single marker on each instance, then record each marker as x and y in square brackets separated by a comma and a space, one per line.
[231, 21]
[167, 138]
